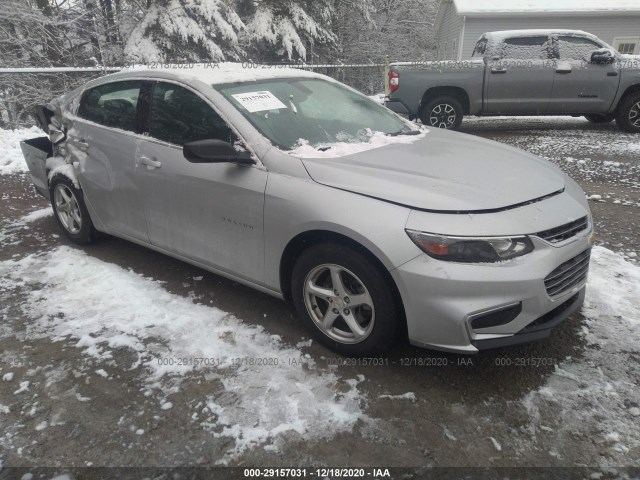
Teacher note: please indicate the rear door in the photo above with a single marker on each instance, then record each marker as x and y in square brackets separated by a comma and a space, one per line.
[104, 141]
[208, 212]
[579, 85]
[519, 78]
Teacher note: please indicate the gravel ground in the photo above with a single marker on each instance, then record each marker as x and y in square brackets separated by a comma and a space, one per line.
[79, 387]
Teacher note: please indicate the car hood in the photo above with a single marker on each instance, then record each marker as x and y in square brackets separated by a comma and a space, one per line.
[444, 171]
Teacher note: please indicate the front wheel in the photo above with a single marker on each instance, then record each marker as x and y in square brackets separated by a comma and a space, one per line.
[600, 118]
[442, 112]
[344, 300]
[628, 113]
[70, 210]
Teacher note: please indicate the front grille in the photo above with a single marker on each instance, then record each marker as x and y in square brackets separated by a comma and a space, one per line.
[563, 232]
[568, 275]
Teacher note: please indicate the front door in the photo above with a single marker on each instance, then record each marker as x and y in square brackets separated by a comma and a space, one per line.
[581, 86]
[104, 142]
[519, 78]
[208, 212]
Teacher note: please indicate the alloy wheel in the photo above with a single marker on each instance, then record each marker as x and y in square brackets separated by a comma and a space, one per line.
[442, 116]
[67, 209]
[634, 115]
[339, 303]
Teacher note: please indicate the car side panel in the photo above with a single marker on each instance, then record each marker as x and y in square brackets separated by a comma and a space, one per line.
[106, 170]
[295, 205]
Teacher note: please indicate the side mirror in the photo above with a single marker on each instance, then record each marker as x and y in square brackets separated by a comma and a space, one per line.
[214, 151]
[602, 56]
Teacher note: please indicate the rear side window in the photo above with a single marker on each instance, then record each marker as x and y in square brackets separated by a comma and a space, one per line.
[180, 116]
[576, 48]
[526, 48]
[481, 47]
[112, 105]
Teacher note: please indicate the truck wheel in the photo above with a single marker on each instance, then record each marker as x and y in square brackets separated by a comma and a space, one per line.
[70, 210]
[442, 112]
[600, 118]
[344, 300]
[628, 113]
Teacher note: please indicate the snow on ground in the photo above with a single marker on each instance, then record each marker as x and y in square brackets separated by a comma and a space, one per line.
[597, 396]
[11, 159]
[9, 234]
[116, 308]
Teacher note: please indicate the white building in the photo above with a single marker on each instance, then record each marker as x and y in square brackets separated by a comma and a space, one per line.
[459, 23]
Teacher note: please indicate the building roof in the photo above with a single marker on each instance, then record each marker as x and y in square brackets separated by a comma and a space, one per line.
[575, 7]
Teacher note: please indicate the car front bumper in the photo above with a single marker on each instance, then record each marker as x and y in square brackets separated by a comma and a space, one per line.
[443, 299]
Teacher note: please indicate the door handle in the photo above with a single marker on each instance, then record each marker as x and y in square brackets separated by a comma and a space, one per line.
[564, 71]
[612, 74]
[498, 70]
[150, 162]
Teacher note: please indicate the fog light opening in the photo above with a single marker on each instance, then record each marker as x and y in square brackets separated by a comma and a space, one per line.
[495, 318]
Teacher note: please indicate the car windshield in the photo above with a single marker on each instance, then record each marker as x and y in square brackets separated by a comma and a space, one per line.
[293, 112]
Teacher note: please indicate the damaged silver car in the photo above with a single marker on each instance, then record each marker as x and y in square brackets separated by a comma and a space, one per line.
[300, 187]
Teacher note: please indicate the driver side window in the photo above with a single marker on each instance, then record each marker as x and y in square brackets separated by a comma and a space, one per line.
[180, 116]
[576, 48]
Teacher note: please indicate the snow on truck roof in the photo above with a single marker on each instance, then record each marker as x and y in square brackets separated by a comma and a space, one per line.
[502, 34]
[506, 7]
[219, 73]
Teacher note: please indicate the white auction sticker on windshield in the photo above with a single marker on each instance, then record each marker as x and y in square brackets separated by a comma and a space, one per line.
[259, 101]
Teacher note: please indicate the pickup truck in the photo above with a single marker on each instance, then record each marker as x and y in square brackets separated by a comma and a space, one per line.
[522, 72]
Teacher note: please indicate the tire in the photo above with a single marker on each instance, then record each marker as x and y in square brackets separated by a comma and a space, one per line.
[70, 211]
[442, 112]
[628, 113]
[600, 118]
[377, 317]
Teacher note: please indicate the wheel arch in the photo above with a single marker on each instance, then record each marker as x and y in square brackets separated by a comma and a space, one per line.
[629, 91]
[458, 93]
[309, 238]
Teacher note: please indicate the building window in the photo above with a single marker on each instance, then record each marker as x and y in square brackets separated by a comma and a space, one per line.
[627, 45]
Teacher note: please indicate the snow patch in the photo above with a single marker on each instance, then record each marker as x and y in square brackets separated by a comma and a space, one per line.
[11, 159]
[405, 396]
[590, 395]
[58, 165]
[118, 307]
[341, 149]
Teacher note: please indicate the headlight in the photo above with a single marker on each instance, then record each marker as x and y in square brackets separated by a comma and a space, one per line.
[471, 250]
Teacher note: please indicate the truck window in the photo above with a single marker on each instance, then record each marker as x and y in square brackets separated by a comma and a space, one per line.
[576, 48]
[481, 47]
[525, 48]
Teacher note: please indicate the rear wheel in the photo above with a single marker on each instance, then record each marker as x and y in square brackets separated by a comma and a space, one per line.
[628, 113]
[70, 210]
[442, 112]
[600, 118]
[344, 300]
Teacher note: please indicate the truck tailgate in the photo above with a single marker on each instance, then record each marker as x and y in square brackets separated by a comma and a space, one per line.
[35, 152]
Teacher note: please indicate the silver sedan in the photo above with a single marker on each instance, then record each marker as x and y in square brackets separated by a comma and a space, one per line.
[303, 188]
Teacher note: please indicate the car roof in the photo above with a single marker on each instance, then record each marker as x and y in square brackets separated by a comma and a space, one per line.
[215, 73]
